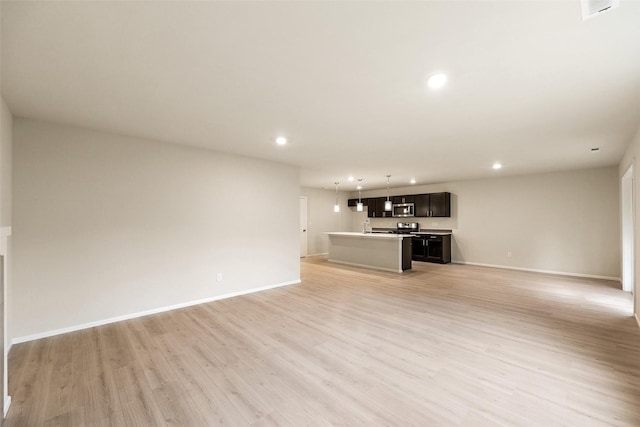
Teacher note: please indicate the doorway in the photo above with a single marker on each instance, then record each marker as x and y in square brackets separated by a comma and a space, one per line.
[628, 273]
[303, 226]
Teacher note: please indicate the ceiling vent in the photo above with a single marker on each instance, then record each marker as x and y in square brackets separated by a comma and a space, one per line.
[592, 8]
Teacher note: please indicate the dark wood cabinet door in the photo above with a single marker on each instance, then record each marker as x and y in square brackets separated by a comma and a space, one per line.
[371, 208]
[375, 208]
[352, 202]
[422, 205]
[440, 204]
[432, 248]
[418, 248]
[426, 205]
[403, 199]
[380, 205]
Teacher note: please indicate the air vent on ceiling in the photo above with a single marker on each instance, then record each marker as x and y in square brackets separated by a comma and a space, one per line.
[594, 7]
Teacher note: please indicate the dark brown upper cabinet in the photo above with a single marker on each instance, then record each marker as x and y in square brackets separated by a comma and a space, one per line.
[422, 205]
[433, 205]
[426, 205]
[375, 208]
[440, 204]
[403, 199]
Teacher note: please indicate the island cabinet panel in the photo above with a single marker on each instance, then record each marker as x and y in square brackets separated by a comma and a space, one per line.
[390, 252]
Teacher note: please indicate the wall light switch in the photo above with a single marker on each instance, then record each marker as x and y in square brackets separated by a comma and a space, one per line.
[219, 277]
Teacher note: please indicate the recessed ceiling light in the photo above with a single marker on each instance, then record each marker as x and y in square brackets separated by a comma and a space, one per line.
[413, 181]
[359, 187]
[350, 178]
[436, 81]
[281, 140]
[497, 165]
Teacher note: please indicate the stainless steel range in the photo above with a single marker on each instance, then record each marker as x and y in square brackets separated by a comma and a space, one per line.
[407, 227]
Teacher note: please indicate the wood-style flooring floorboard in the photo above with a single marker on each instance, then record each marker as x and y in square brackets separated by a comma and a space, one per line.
[440, 345]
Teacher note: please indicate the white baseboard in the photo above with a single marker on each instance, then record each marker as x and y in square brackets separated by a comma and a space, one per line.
[74, 328]
[320, 254]
[7, 403]
[562, 273]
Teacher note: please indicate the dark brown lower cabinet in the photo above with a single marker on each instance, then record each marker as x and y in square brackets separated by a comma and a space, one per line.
[432, 248]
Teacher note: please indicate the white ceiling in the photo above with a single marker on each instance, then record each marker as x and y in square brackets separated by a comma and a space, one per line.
[530, 84]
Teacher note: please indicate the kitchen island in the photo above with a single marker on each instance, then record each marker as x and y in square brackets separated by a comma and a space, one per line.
[390, 252]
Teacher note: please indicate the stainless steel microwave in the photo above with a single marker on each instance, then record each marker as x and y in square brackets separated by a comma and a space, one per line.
[404, 210]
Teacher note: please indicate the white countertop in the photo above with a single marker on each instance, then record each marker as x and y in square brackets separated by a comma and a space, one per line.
[369, 235]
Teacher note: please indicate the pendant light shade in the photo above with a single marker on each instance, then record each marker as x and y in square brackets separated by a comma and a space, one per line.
[359, 205]
[387, 204]
[336, 207]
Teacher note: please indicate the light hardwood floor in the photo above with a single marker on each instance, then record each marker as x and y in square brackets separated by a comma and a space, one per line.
[441, 345]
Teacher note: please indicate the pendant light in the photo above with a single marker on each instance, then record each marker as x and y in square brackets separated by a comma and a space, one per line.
[359, 205]
[336, 207]
[387, 204]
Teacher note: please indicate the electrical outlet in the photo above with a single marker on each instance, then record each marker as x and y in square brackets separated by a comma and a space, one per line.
[509, 253]
[219, 277]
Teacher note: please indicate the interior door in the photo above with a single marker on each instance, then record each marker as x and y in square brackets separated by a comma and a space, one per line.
[303, 227]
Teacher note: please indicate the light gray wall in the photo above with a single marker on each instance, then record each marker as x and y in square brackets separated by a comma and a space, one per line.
[321, 217]
[563, 222]
[633, 153]
[106, 226]
[6, 166]
[6, 140]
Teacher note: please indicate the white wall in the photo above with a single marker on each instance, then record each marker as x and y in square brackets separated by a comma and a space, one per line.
[629, 158]
[6, 140]
[6, 129]
[322, 218]
[107, 225]
[564, 222]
